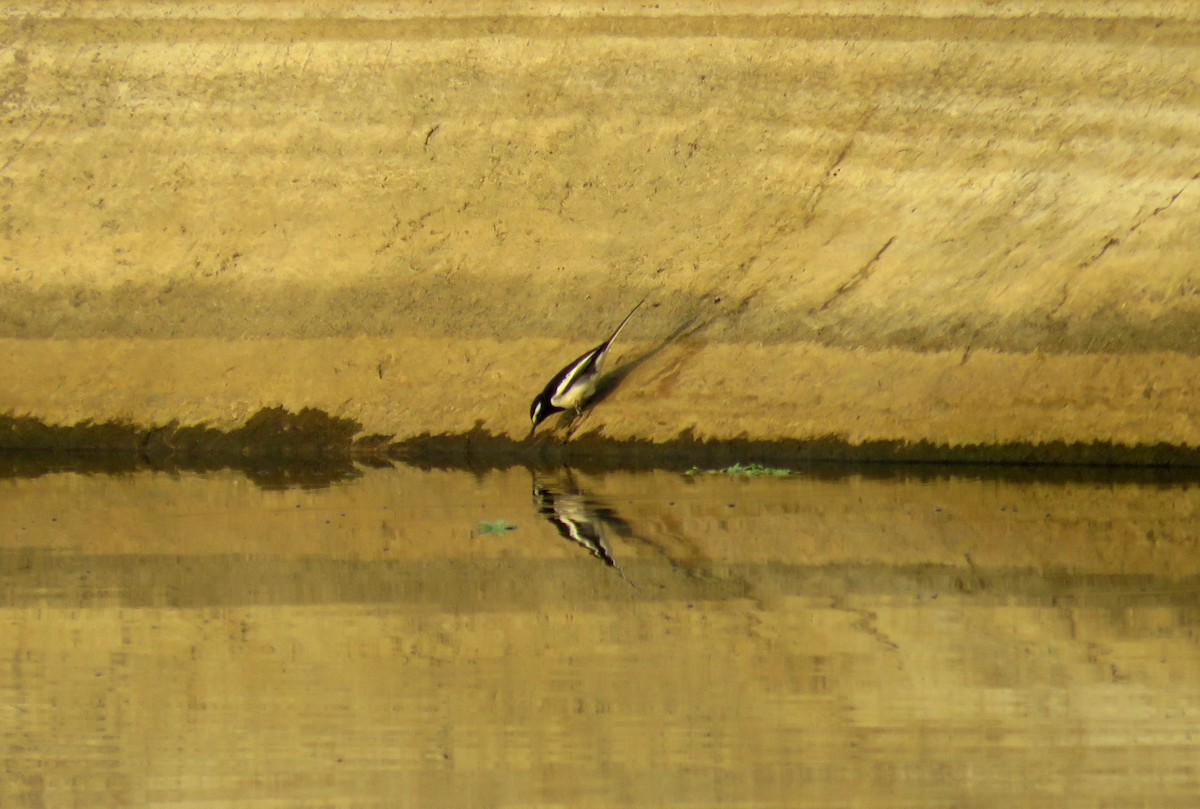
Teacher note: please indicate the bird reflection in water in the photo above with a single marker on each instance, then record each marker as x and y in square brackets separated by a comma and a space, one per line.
[578, 517]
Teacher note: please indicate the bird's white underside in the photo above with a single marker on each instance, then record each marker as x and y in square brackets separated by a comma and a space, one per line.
[572, 393]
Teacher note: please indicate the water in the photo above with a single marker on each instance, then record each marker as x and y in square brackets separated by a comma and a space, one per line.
[837, 639]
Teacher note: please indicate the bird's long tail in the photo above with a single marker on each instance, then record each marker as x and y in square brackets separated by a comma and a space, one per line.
[609, 341]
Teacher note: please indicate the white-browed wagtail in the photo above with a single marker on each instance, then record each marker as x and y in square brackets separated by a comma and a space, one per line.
[579, 518]
[571, 387]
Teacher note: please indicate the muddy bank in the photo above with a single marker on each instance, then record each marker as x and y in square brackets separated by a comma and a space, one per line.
[700, 402]
[955, 228]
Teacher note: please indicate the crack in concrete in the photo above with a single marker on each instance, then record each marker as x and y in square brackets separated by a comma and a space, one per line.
[810, 210]
[1115, 241]
[827, 177]
[24, 141]
[863, 273]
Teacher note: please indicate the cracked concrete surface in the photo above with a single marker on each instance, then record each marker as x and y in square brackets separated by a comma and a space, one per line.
[861, 275]
[410, 216]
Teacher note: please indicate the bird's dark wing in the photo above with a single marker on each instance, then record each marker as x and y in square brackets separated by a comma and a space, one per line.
[582, 366]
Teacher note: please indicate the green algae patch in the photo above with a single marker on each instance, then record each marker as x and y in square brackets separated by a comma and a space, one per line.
[740, 470]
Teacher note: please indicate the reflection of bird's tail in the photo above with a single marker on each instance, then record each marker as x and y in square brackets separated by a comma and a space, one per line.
[601, 552]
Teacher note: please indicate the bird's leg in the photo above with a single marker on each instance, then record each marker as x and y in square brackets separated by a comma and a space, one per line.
[577, 416]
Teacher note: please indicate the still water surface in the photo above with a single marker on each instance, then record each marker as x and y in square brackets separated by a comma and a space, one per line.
[635, 640]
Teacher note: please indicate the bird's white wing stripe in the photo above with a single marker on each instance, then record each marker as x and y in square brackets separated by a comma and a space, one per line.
[587, 536]
[570, 377]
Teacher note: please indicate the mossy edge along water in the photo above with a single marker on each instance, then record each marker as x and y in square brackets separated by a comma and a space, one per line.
[310, 447]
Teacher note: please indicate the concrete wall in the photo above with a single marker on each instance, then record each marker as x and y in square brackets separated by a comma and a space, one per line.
[963, 223]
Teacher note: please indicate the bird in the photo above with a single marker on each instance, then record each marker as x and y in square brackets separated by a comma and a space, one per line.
[580, 518]
[571, 387]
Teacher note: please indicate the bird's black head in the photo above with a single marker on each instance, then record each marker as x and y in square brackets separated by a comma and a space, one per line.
[540, 410]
